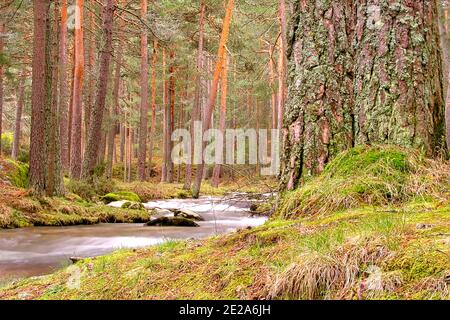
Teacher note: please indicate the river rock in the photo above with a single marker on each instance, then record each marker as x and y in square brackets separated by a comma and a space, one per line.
[132, 205]
[172, 222]
[188, 214]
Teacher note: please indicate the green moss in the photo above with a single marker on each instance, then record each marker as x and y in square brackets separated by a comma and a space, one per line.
[18, 176]
[379, 175]
[121, 195]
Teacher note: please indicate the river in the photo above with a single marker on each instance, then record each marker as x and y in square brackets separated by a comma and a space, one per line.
[41, 250]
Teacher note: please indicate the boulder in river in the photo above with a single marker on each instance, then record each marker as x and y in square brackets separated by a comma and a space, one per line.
[132, 205]
[188, 214]
[172, 222]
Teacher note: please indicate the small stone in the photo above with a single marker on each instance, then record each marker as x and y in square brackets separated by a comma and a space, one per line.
[423, 226]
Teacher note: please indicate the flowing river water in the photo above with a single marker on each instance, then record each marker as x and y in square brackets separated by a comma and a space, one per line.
[40, 250]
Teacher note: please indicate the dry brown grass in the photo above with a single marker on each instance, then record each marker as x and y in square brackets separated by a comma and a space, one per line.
[318, 275]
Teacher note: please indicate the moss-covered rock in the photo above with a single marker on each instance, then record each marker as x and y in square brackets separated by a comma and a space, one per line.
[133, 205]
[121, 195]
[172, 222]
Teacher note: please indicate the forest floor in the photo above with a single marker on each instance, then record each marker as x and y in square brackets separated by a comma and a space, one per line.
[374, 225]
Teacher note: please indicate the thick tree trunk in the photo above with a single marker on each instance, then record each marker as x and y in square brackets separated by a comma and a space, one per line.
[63, 106]
[398, 85]
[196, 110]
[360, 74]
[144, 98]
[54, 179]
[213, 92]
[317, 120]
[96, 118]
[75, 140]
[37, 141]
[2, 30]
[443, 14]
[18, 122]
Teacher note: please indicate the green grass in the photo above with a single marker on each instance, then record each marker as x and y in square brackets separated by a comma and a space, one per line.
[261, 262]
[376, 176]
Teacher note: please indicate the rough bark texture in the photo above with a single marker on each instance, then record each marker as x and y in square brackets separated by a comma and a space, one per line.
[144, 98]
[398, 74]
[63, 106]
[37, 142]
[360, 72]
[75, 140]
[2, 30]
[18, 122]
[96, 118]
[317, 119]
[54, 180]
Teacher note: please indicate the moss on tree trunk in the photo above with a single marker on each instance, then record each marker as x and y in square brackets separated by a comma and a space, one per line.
[361, 72]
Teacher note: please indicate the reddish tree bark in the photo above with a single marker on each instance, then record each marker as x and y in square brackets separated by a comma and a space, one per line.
[165, 118]
[2, 30]
[152, 126]
[144, 97]
[63, 103]
[75, 141]
[37, 141]
[97, 111]
[222, 120]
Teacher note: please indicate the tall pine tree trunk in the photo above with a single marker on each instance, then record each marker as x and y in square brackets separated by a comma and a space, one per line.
[144, 98]
[63, 103]
[18, 122]
[2, 31]
[54, 180]
[96, 118]
[222, 122]
[152, 125]
[115, 126]
[37, 137]
[77, 104]
[196, 110]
